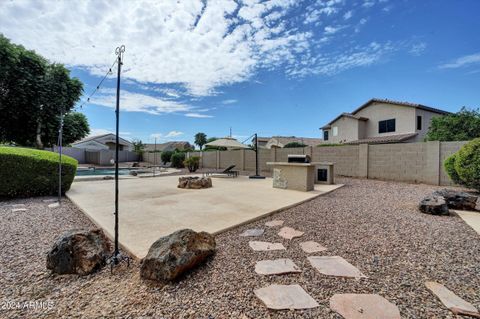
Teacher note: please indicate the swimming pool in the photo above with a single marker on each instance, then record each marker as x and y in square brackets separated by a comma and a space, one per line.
[102, 171]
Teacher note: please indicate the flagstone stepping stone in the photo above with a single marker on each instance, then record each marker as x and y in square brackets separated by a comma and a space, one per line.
[54, 205]
[50, 200]
[264, 246]
[15, 210]
[276, 267]
[312, 247]
[450, 300]
[363, 306]
[285, 297]
[289, 233]
[334, 266]
[274, 223]
[252, 232]
[18, 205]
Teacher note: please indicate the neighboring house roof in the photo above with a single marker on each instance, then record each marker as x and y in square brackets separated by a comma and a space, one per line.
[415, 105]
[375, 100]
[349, 115]
[169, 146]
[281, 141]
[97, 138]
[384, 139]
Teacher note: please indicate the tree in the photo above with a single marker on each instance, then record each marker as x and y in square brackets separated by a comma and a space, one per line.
[463, 167]
[294, 144]
[33, 92]
[75, 127]
[138, 147]
[166, 157]
[461, 126]
[200, 139]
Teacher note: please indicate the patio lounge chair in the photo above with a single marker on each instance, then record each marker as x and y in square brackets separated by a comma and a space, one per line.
[229, 172]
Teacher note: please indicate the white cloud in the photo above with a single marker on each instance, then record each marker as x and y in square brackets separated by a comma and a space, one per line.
[230, 101]
[137, 102]
[463, 61]
[198, 115]
[418, 48]
[174, 134]
[198, 44]
[348, 15]
[368, 3]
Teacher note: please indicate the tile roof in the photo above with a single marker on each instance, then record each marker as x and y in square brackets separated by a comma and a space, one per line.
[415, 105]
[384, 139]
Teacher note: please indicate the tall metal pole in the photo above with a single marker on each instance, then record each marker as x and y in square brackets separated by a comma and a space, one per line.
[119, 51]
[256, 176]
[60, 142]
[155, 157]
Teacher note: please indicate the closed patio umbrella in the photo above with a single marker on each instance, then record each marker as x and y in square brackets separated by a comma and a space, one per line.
[228, 142]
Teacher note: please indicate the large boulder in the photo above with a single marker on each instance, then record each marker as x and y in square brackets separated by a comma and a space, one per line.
[434, 205]
[173, 255]
[79, 252]
[458, 200]
[194, 182]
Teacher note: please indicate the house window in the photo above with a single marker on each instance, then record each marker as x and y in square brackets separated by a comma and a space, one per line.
[325, 135]
[386, 126]
[335, 131]
[419, 122]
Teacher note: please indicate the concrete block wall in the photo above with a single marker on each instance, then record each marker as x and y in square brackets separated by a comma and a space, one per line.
[408, 162]
[398, 162]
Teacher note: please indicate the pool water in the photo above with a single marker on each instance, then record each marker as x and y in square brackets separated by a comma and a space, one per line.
[102, 171]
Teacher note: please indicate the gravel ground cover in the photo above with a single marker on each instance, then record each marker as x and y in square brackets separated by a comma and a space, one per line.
[374, 225]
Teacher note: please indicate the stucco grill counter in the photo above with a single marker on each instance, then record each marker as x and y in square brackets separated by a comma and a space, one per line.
[301, 176]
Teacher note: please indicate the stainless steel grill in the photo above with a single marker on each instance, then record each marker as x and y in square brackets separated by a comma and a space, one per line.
[294, 158]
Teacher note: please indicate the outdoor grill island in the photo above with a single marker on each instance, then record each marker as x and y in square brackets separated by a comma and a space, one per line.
[299, 173]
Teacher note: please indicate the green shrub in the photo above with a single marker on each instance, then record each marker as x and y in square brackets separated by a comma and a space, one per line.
[27, 172]
[449, 165]
[166, 157]
[192, 163]
[467, 164]
[294, 145]
[330, 144]
[177, 160]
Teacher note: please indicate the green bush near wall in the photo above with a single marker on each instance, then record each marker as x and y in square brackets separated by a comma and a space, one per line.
[177, 159]
[27, 172]
[467, 164]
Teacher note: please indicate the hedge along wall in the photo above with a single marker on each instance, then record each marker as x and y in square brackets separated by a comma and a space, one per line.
[409, 162]
[27, 172]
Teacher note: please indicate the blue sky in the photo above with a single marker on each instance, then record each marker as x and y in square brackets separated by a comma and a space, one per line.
[279, 67]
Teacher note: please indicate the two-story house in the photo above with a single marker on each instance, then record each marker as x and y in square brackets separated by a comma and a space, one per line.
[381, 121]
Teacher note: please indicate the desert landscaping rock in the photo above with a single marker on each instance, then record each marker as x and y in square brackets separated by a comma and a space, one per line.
[276, 267]
[255, 232]
[190, 182]
[373, 224]
[79, 252]
[334, 266]
[16, 210]
[434, 205]
[280, 297]
[50, 200]
[289, 233]
[457, 199]
[311, 247]
[450, 300]
[363, 306]
[172, 255]
[18, 206]
[265, 246]
[274, 223]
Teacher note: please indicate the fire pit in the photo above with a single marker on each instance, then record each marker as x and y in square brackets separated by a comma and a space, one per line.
[194, 182]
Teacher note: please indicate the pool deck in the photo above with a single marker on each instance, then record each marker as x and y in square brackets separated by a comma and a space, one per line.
[150, 208]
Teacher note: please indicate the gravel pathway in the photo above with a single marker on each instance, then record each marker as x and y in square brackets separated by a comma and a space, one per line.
[374, 225]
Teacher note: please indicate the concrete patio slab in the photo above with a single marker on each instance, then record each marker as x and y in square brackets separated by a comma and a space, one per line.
[276, 267]
[154, 207]
[471, 218]
[285, 297]
[363, 306]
